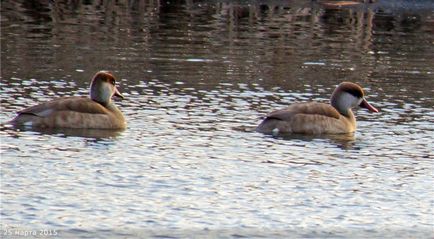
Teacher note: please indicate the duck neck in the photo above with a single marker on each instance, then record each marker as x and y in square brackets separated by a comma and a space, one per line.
[100, 93]
[339, 103]
[351, 119]
[105, 104]
[113, 108]
[342, 103]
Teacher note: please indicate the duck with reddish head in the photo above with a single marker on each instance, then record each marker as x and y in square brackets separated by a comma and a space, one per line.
[319, 118]
[94, 112]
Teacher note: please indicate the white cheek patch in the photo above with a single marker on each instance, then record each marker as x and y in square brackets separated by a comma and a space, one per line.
[348, 100]
[107, 92]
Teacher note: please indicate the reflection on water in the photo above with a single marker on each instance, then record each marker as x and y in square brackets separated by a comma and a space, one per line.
[64, 132]
[198, 76]
[344, 141]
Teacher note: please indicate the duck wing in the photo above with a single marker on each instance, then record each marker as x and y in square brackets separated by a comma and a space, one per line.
[312, 108]
[78, 104]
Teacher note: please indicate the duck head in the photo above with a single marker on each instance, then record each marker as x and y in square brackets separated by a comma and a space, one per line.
[103, 88]
[349, 95]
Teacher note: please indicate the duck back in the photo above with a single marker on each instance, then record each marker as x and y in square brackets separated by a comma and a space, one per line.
[307, 118]
[71, 112]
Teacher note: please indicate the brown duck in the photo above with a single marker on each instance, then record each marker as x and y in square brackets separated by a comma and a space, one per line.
[94, 112]
[319, 118]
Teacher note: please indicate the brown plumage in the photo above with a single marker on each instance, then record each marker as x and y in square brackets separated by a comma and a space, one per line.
[94, 112]
[319, 118]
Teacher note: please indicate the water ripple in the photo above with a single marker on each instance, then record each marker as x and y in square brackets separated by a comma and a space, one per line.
[198, 78]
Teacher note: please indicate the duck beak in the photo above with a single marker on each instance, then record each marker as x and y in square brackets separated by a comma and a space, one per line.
[118, 94]
[368, 106]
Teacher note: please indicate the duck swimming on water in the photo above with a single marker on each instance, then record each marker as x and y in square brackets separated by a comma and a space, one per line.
[94, 112]
[319, 118]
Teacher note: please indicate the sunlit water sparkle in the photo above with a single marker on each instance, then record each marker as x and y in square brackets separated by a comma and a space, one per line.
[197, 80]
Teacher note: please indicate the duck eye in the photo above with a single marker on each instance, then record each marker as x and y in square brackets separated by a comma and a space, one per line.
[112, 81]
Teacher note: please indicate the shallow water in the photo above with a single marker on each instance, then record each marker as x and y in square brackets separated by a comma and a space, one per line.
[198, 78]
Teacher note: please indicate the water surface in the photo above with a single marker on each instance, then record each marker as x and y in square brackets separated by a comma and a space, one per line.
[198, 78]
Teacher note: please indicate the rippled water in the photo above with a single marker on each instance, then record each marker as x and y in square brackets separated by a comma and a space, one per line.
[198, 78]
